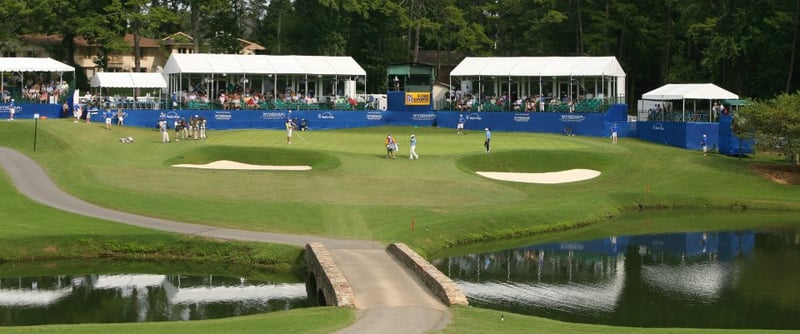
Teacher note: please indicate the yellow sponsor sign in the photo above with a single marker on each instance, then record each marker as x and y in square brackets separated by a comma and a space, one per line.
[418, 98]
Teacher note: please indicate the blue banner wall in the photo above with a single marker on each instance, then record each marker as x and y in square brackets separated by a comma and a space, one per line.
[685, 135]
[274, 119]
[581, 124]
[729, 143]
[27, 110]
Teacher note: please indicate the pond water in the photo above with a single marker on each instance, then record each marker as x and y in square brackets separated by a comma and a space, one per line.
[722, 279]
[139, 297]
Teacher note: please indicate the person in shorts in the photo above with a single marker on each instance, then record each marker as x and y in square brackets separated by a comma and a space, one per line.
[460, 126]
[108, 115]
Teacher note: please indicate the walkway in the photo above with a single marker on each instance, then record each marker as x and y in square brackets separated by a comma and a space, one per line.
[386, 294]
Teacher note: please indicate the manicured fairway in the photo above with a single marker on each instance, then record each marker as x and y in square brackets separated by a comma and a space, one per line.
[353, 191]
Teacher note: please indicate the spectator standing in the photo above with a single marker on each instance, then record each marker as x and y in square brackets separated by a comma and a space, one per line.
[614, 133]
[178, 129]
[120, 116]
[488, 140]
[460, 126]
[289, 127]
[704, 144]
[11, 110]
[412, 153]
[162, 127]
[108, 115]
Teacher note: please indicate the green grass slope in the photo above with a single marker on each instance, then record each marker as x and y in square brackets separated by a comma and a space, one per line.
[353, 191]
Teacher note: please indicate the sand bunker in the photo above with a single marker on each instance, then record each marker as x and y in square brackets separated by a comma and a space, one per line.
[233, 165]
[566, 176]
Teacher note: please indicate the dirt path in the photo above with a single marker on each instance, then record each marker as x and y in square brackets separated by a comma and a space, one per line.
[388, 297]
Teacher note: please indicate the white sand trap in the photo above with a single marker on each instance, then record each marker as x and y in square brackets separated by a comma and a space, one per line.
[565, 176]
[233, 165]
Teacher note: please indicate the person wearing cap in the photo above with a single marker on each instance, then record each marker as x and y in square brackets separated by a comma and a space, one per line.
[488, 139]
[202, 123]
[704, 144]
[460, 126]
[11, 110]
[289, 127]
[412, 152]
[195, 122]
[162, 127]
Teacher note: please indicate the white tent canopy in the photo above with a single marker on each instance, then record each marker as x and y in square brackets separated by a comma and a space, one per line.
[539, 66]
[262, 64]
[25, 64]
[213, 72]
[128, 80]
[698, 91]
[554, 76]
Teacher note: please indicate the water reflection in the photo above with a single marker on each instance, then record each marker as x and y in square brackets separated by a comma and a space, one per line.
[139, 297]
[742, 279]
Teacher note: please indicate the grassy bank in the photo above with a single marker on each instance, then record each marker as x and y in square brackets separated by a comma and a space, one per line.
[32, 231]
[469, 320]
[354, 192]
[307, 320]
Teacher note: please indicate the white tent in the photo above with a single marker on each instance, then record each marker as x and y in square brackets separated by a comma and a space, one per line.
[24, 64]
[698, 91]
[694, 92]
[128, 80]
[606, 72]
[298, 68]
[539, 66]
[262, 64]
[27, 64]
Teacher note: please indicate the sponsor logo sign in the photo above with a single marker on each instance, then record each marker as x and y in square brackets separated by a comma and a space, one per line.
[418, 98]
[273, 115]
[572, 118]
[223, 115]
[474, 117]
[374, 116]
[423, 117]
[522, 118]
[326, 115]
[658, 127]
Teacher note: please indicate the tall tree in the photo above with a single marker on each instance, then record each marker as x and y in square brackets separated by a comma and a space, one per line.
[141, 18]
[14, 17]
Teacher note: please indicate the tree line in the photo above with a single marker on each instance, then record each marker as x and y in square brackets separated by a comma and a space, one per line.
[748, 47]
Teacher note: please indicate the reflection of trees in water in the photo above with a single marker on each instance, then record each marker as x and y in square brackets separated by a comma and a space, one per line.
[701, 279]
[133, 298]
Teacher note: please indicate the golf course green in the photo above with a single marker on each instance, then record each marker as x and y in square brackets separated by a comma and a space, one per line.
[438, 204]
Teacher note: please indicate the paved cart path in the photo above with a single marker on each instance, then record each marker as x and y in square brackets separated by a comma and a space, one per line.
[388, 297]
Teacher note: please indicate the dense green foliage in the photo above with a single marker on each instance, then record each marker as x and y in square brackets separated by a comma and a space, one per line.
[775, 124]
[748, 47]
